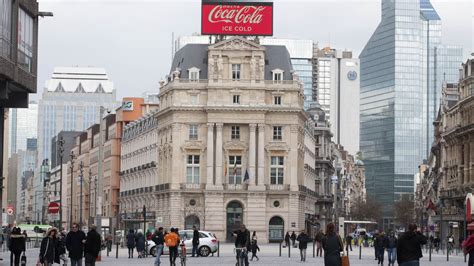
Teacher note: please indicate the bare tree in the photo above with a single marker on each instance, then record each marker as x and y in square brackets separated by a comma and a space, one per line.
[368, 210]
[405, 210]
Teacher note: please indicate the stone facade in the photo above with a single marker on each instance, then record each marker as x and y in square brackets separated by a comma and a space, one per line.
[231, 142]
[449, 176]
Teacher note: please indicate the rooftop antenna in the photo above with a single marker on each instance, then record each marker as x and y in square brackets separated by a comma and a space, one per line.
[172, 47]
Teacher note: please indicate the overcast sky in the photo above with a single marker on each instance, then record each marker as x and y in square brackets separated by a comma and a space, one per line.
[132, 39]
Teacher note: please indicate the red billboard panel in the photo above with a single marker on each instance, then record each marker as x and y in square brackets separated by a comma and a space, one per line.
[237, 18]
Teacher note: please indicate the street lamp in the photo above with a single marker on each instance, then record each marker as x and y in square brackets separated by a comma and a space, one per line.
[81, 170]
[72, 181]
[90, 198]
[61, 151]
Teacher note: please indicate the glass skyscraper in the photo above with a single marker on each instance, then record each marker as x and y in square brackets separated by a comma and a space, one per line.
[403, 67]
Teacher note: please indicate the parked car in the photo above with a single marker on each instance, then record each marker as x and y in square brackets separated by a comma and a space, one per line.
[207, 243]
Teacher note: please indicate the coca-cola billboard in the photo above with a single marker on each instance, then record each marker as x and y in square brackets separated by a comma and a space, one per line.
[237, 17]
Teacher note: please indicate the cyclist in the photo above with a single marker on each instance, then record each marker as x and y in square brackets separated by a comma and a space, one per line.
[242, 242]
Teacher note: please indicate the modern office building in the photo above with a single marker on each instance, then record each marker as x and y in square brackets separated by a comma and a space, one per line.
[403, 67]
[22, 126]
[71, 101]
[26, 165]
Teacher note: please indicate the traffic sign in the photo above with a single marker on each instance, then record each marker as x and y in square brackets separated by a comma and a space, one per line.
[10, 210]
[53, 207]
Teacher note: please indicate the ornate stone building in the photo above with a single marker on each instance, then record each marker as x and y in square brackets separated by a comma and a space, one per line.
[450, 173]
[231, 142]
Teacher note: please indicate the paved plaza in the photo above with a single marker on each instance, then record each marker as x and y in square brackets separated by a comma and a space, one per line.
[269, 256]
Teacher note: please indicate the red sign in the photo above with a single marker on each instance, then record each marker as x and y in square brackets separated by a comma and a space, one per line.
[53, 207]
[237, 18]
[10, 209]
[468, 211]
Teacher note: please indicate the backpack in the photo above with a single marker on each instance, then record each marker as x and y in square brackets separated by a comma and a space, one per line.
[171, 240]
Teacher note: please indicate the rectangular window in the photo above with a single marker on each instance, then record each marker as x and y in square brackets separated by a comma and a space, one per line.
[5, 28]
[276, 170]
[235, 71]
[236, 99]
[25, 40]
[235, 133]
[192, 169]
[277, 76]
[235, 169]
[277, 100]
[193, 132]
[277, 133]
[194, 75]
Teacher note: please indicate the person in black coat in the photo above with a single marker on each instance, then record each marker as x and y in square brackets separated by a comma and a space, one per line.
[74, 245]
[48, 250]
[303, 240]
[409, 246]
[92, 246]
[293, 239]
[254, 248]
[379, 245]
[195, 242]
[332, 245]
[131, 242]
[287, 239]
[17, 245]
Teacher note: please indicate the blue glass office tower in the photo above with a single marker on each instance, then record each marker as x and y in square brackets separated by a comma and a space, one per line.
[403, 66]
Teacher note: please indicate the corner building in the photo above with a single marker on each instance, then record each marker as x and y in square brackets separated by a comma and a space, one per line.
[228, 109]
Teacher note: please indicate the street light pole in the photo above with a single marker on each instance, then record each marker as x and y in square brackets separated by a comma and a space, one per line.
[99, 171]
[72, 182]
[61, 151]
[81, 169]
[90, 198]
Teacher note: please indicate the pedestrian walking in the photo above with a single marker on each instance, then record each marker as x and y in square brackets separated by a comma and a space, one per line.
[172, 241]
[468, 248]
[159, 240]
[391, 246]
[108, 242]
[287, 239]
[254, 248]
[48, 254]
[303, 240]
[92, 246]
[332, 245]
[349, 241]
[293, 239]
[242, 243]
[131, 242]
[140, 243]
[319, 247]
[254, 236]
[61, 248]
[409, 247]
[74, 245]
[195, 242]
[17, 246]
[376, 252]
[379, 244]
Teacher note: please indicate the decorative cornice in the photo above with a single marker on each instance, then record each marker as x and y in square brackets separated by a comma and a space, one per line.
[235, 145]
[193, 145]
[277, 146]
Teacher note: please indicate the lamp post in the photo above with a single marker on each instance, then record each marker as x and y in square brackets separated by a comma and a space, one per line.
[90, 198]
[61, 151]
[81, 170]
[72, 182]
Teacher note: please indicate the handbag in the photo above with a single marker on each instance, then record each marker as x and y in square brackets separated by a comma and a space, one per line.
[23, 259]
[345, 260]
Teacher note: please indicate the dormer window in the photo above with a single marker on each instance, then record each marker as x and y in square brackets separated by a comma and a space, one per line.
[277, 75]
[235, 71]
[194, 73]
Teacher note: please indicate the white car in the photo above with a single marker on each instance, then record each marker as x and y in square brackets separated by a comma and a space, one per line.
[207, 243]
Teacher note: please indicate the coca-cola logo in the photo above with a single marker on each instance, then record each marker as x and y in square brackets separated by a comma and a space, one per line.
[236, 14]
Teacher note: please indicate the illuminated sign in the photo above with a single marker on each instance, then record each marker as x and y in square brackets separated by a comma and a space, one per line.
[229, 17]
[127, 106]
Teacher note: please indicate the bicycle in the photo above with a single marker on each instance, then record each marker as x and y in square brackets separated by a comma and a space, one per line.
[241, 254]
[182, 254]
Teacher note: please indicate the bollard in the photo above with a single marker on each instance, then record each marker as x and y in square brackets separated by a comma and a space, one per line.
[146, 248]
[447, 253]
[116, 250]
[280, 251]
[360, 252]
[218, 248]
[430, 252]
[314, 242]
[289, 251]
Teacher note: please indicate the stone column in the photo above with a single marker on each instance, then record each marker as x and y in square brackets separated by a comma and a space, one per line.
[252, 153]
[293, 158]
[219, 155]
[261, 154]
[210, 154]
